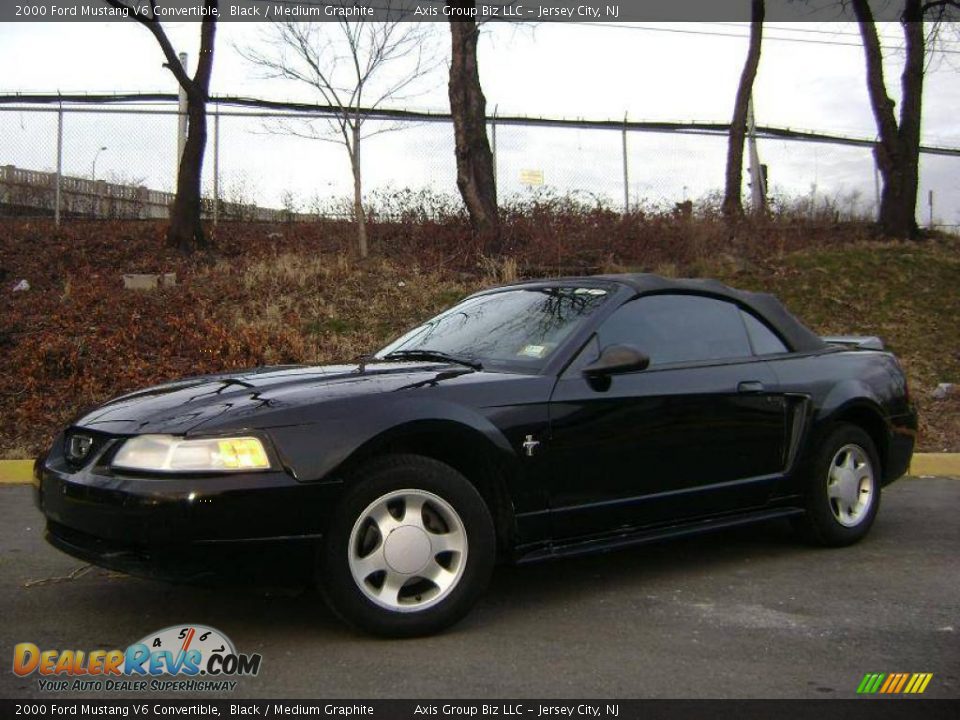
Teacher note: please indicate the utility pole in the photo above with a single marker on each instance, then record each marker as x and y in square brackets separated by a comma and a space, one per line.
[876, 190]
[758, 190]
[93, 166]
[181, 120]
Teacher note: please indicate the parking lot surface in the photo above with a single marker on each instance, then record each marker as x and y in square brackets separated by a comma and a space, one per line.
[745, 613]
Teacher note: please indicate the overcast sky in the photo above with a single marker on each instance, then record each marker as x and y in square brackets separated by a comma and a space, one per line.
[651, 72]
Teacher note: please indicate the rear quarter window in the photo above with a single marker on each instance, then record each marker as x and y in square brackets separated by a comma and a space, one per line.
[762, 338]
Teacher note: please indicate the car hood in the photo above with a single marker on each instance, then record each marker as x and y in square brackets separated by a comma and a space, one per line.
[259, 398]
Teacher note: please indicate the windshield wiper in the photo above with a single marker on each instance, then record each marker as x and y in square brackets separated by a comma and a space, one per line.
[424, 354]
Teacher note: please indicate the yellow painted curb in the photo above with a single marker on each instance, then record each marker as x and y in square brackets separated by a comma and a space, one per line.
[936, 464]
[16, 471]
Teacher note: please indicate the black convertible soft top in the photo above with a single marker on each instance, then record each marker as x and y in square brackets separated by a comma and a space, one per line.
[766, 306]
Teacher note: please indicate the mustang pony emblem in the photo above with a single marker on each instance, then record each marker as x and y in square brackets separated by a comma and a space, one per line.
[530, 445]
[79, 447]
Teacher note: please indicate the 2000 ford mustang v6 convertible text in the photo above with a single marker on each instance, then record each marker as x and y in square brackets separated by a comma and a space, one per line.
[536, 420]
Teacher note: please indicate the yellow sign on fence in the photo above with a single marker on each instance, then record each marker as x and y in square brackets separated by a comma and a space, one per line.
[531, 177]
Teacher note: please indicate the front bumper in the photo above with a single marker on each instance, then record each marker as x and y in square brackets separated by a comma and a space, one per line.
[182, 528]
[262, 561]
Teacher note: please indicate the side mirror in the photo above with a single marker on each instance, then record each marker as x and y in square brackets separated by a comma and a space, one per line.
[616, 359]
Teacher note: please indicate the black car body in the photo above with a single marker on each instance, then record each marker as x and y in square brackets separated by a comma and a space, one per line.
[670, 406]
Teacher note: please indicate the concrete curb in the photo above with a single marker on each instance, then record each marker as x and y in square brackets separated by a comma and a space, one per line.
[19, 472]
[16, 471]
[940, 464]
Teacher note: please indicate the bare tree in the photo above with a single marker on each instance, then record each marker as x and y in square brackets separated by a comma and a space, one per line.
[732, 204]
[897, 151]
[345, 63]
[468, 107]
[186, 230]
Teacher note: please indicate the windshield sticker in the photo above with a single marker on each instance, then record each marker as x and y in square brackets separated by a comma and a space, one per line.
[535, 351]
[589, 291]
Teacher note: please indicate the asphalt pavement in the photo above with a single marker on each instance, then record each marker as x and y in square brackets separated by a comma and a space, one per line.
[746, 613]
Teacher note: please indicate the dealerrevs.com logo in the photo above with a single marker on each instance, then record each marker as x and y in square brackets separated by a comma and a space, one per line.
[180, 658]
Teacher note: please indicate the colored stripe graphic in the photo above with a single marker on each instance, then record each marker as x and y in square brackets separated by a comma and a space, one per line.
[894, 683]
[870, 683]
[923, 679]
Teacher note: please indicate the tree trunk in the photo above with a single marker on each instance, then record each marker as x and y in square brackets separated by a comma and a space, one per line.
[359, 216]
[186, 230]
[468, 106]
[732, 204]
[897, 151]
[904, 222]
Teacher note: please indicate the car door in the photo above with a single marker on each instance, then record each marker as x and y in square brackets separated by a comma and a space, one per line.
[700, 432]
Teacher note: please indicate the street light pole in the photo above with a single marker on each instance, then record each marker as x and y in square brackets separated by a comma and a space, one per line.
[93, 167]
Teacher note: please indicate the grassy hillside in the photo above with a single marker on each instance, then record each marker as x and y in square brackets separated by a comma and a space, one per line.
[294, 294]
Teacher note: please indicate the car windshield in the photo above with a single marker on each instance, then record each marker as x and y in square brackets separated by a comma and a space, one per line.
[519, 327]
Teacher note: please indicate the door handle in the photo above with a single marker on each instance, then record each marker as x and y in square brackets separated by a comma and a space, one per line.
[750, 386]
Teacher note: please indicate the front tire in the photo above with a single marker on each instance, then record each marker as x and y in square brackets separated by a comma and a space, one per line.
[410, 549]
[842, 488]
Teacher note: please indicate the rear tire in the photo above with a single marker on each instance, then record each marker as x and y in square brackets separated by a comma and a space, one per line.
[842, 488]
[410, 549]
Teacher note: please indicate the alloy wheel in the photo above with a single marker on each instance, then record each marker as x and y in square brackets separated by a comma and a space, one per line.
[407, 550]
[850, 485]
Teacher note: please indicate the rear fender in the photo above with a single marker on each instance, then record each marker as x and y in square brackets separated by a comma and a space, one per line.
[845, 395]
[855, 402]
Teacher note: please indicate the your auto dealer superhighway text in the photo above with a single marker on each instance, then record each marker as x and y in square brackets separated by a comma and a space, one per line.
[581, 710]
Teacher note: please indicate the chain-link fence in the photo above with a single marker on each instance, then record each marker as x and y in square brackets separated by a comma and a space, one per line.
[101, 160]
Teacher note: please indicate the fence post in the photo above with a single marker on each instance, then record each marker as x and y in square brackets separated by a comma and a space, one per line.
[626, 170]
[493, 129]
[216, 164]
[56, 194]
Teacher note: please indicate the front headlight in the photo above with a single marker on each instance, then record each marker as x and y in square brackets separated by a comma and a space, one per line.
[166, 453]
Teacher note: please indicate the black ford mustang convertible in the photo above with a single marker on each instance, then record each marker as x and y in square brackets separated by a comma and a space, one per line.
[536, 420]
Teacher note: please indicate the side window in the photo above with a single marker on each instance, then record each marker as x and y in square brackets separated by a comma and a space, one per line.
[678, 328]
[763, 339]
